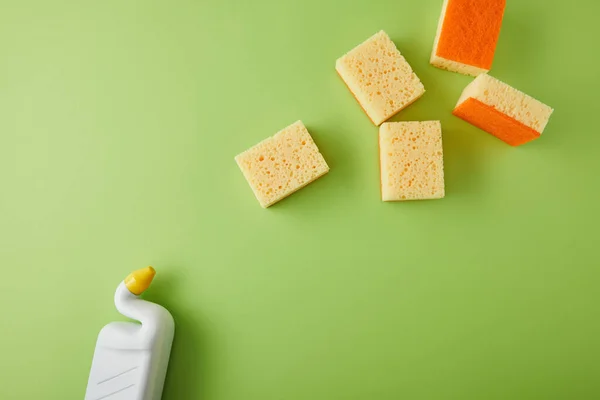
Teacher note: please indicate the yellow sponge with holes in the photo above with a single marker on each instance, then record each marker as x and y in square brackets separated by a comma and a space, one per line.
[502, 110]
[282, 164]
[412, 161]
[379, 77]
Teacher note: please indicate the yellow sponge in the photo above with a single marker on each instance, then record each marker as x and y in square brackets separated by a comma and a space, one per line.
[379, 78]
[282, 164]
[502, 110]
[412, 161]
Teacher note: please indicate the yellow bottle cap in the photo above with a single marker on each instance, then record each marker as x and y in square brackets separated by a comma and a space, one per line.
[138, 281]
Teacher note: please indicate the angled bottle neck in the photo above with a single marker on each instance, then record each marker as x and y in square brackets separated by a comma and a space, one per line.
[131, 306]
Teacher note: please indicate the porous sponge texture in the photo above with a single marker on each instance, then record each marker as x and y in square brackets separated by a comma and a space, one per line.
[468, 31]
[379, 77]
[502, 110]
[282, 164]
[509, 101]
[412, 161]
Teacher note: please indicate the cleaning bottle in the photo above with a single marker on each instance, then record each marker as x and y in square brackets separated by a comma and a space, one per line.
[130, 360]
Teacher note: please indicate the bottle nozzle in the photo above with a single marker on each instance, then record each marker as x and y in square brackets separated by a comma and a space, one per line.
[138, 281]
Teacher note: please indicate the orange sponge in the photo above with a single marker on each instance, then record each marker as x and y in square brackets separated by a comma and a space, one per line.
[503, 111]
[467, 34]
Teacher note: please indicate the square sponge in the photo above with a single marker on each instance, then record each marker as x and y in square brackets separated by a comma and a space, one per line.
[282, 164]
[412, 161]
[503, 111]
[379, 77]
[467, 34]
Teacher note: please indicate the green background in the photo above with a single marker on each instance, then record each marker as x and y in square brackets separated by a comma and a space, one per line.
[119, 121]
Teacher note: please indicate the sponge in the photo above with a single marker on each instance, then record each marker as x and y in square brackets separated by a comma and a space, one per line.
[412, 161]
[282, 164]
[503, 111]
[379, 78]
[467, 34]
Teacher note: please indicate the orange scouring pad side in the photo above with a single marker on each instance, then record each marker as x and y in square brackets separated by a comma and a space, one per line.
[503, 111]
[493, 121]
[467, 34]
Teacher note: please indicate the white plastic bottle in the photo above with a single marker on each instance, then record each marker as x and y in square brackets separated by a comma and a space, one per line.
[130, 361]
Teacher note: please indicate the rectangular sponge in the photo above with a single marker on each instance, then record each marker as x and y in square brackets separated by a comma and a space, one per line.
[282, 164]
[503, 111]
[379, 78]
[467, 34]
[412, 161]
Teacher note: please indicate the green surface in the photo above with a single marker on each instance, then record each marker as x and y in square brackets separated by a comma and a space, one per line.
[119, 121]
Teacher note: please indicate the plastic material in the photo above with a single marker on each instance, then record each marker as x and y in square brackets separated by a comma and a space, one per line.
[130, 361]
[138, 281]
